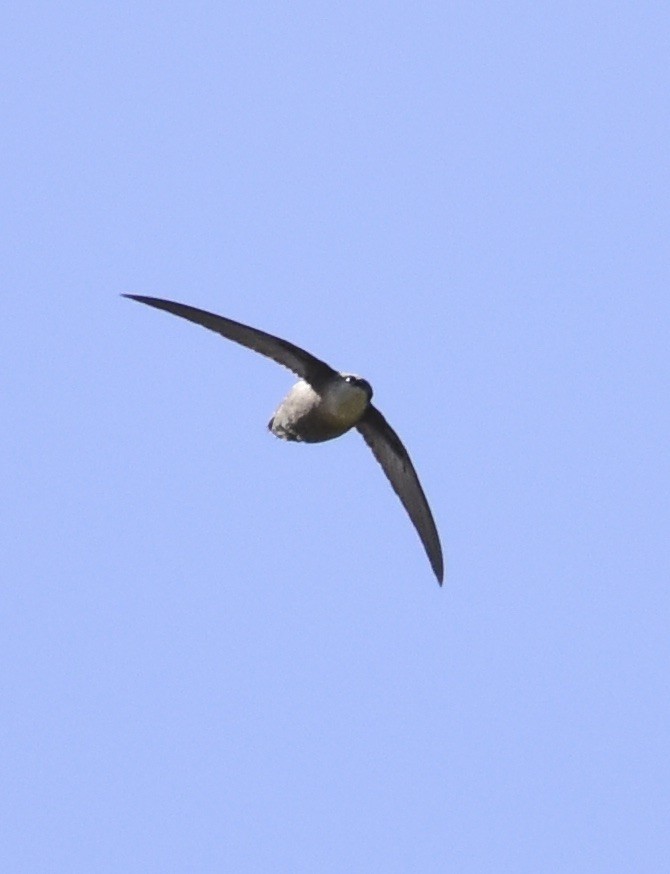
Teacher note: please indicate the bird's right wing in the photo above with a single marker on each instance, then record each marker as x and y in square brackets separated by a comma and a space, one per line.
[302, 363]
[389, 451]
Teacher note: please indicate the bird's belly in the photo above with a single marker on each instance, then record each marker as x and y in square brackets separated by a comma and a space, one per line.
[309, 427]
[310, 417]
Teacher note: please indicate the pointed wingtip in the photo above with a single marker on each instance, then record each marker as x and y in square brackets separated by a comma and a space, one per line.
[436, 559]
[438, 569]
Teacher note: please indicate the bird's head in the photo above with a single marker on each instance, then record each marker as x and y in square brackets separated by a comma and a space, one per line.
[359, 382]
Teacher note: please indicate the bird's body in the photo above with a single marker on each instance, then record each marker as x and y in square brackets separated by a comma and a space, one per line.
[312, 417]
[323, 405]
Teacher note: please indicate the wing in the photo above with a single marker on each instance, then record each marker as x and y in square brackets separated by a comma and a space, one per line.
[397, 465]
[302, 363]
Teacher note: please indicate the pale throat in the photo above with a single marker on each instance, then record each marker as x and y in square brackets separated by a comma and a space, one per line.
[344, 402]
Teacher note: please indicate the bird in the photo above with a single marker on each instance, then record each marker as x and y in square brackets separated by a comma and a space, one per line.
[322, 405]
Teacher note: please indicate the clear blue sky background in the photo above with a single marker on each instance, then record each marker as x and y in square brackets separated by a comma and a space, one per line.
[220, 652]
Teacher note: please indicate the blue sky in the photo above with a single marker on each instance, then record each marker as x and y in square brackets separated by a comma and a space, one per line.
[220, 652]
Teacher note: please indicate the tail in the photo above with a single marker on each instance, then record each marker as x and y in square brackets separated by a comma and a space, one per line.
[281, 431]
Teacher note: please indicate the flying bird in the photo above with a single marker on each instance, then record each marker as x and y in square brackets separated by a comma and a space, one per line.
[325, 404]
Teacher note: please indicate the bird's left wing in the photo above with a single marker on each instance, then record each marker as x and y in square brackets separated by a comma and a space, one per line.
[302, 363]
[397, 465]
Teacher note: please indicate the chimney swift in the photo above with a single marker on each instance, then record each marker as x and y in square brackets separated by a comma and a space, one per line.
[325, 404]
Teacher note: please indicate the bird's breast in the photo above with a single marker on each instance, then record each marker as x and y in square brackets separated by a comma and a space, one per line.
[343, 403]
[312, 417]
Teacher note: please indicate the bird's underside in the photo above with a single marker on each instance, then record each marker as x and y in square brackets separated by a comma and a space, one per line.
[309, 416]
